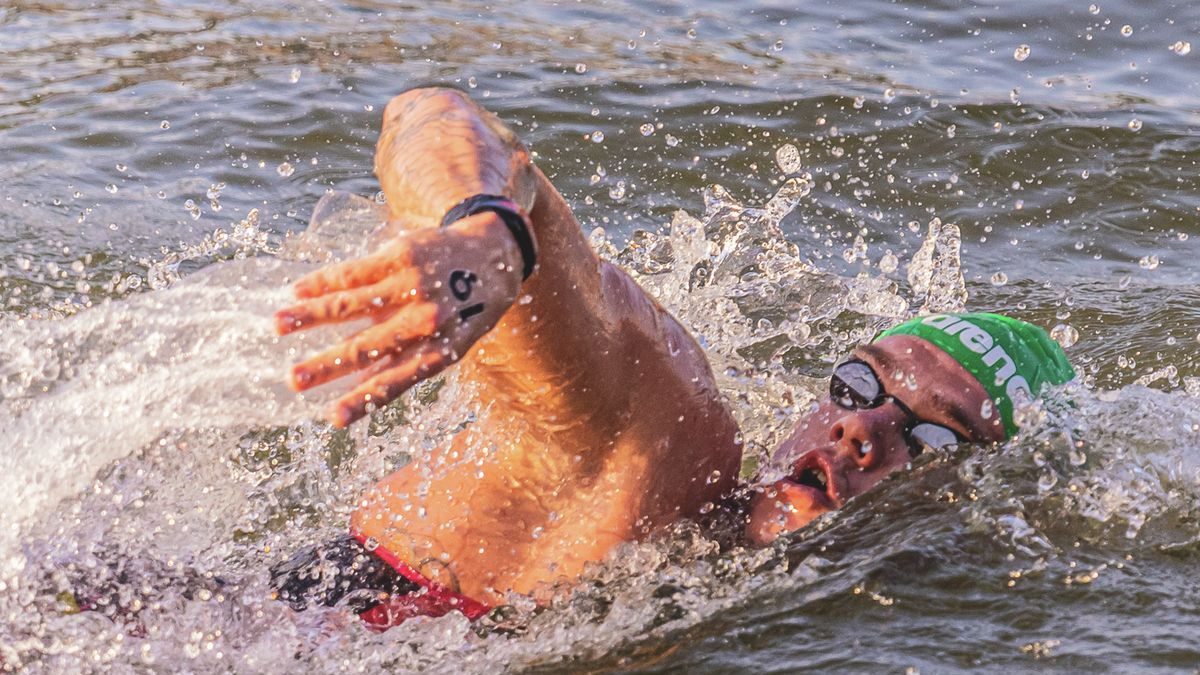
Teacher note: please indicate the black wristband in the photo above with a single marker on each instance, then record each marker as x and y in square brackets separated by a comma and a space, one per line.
[509, 212]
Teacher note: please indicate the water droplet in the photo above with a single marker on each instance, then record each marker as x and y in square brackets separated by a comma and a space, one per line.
[121, 167]
[999, 279]
[1015, 96]
[537, 532]
[691, 33]
[1077, 457]
[1094, 9]
[371, 544]
[858, 102]
[778, 46]
[788, 159]
[986, 410]
[951, 130]
[1148, 262]
[647, 129]
[192, 208]
[581, 68]
[672, 141]
[597, 136]
[368, 107]
[1065, 335]
[1047, 481]
[1135, 124]
[1124, 281]
[714, 477]
[1085, 174]
[1021, 52]
[294, 77]
[1126, 30]
[164, 124]
[1182, 48]
[889, 95]
[889, 263]
[112, 189]
[617, 192]
[858, 250]
[285, 169]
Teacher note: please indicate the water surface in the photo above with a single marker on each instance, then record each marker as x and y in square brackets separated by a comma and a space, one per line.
[157, 156]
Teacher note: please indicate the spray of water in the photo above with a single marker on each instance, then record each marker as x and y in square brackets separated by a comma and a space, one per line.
[157, 465]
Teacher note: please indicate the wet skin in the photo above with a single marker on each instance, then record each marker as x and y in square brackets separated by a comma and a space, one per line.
[600, 421]
[836, 453]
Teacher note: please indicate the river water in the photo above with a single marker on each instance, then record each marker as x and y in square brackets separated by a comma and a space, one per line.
[786, 180]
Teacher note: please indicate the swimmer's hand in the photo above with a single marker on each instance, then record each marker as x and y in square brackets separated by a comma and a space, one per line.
[431, 293]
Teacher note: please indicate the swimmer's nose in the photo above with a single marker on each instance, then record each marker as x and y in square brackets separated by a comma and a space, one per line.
[863, 437]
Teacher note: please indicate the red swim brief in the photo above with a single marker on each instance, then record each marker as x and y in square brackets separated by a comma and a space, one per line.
[433, 600]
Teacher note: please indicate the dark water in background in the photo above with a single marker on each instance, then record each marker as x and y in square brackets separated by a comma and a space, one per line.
[129, 132]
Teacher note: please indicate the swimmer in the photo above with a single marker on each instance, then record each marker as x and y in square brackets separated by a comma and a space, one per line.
[603, 413]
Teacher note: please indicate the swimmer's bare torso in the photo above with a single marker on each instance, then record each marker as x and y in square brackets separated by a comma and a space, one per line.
[600, 412]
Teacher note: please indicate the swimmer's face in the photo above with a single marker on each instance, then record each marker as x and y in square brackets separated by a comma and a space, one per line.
[888, 402]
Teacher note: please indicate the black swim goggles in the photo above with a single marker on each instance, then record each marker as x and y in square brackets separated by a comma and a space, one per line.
[855, 386]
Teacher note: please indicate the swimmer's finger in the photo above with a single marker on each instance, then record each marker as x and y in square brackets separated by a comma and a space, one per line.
[355, 273]
[383, 364]
[386, 363]
[425, 362]
[368, 346]
[347, 305]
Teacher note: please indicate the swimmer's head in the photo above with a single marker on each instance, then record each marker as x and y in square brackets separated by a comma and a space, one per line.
[927, 383]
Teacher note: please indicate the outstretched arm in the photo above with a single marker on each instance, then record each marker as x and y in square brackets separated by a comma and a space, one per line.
[606, 418]
[436, 148]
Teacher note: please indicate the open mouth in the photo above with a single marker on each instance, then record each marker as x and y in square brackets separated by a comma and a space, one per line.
[813, 479]
[813, 473]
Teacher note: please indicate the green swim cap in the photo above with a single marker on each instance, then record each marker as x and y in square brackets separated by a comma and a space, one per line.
[1012, 359]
